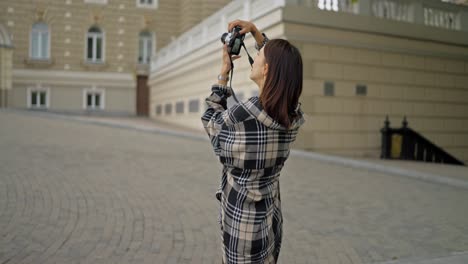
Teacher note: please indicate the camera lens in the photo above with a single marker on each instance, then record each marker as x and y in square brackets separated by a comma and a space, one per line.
[223, 38]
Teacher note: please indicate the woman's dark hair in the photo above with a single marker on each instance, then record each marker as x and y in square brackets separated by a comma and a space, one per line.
[283, 84]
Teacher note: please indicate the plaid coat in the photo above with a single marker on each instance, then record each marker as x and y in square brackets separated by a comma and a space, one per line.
[252, 148]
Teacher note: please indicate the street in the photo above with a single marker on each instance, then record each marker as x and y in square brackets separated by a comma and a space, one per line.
[72, 192]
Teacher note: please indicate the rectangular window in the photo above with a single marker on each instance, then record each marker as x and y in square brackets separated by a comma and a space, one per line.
[145, 48]
[39, 41]
[158, 109]
[329, 89]
[180, 107]
[95, 48]
[194, 106]
[38, 99]
[168, 109]
[94, 99]
[361, 89]
[147, 3]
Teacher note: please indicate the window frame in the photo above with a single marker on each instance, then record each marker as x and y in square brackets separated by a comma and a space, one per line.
[179, 107]
[193, 103]
[152, 38]
[38, 89]
[94, 90]
[154, 5]
[168, 106]
[32, 32]
[158, 110]
[94, 43]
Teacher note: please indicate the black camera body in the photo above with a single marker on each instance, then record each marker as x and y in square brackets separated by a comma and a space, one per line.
[234, 40]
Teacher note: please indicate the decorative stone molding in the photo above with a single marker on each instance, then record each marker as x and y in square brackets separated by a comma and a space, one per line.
[408, 11]
[142, 69]
[94, 66]
[101, 2]
[39, 63]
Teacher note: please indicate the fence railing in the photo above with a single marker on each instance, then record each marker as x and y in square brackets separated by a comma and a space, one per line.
[212, 28]
[406, 144]
[428, 12]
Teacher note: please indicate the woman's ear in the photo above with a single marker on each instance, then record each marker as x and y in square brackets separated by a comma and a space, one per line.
[265, 70]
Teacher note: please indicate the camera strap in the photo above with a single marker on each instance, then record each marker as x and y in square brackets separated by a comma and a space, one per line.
[251, 61]
[230, 80]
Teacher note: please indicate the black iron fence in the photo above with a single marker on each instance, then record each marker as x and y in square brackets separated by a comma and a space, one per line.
[406, 144]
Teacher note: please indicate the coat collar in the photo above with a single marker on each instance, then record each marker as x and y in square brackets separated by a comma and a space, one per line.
[254, 107]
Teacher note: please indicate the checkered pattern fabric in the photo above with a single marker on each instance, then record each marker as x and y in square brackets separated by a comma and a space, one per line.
[252, 148]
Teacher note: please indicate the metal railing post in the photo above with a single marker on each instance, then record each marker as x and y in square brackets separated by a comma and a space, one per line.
[386, 140]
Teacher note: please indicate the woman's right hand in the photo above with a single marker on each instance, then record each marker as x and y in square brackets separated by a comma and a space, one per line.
[246, 26]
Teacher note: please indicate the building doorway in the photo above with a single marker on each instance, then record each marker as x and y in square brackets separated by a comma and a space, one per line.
[142, 96]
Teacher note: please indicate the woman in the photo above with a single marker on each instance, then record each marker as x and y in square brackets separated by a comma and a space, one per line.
[252, 140]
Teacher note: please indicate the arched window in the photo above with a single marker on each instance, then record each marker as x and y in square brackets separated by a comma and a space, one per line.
[40, 41]
[95, 45]
[145, 49]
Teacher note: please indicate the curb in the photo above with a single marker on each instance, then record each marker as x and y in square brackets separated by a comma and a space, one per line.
[434, 178]
[453, 258]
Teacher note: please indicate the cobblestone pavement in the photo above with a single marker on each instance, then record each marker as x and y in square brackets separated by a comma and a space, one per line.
[80, 193]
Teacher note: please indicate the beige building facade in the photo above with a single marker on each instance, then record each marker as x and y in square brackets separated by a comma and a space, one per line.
[86, 56]
[362, 62]
[6, 53]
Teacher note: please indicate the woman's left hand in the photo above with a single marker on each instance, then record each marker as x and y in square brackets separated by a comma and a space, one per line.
[226, 66]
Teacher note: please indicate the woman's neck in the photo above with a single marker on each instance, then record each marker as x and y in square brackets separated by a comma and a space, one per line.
[260, 83]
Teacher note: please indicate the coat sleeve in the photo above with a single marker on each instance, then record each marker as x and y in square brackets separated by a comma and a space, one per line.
[217, 114]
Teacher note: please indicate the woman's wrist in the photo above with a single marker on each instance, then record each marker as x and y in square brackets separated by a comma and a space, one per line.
[223, 77]
[224, 83]
[257, 35]
[225, 71]
[254, 31]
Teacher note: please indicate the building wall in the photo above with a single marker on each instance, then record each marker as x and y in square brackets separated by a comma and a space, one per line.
[66, 90]
[120, 20]
[425, 80]
[6, 57]
[194, 11]
[430, 90]
[69, 20]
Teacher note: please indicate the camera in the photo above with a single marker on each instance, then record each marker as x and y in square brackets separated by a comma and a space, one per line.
[234, 40]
